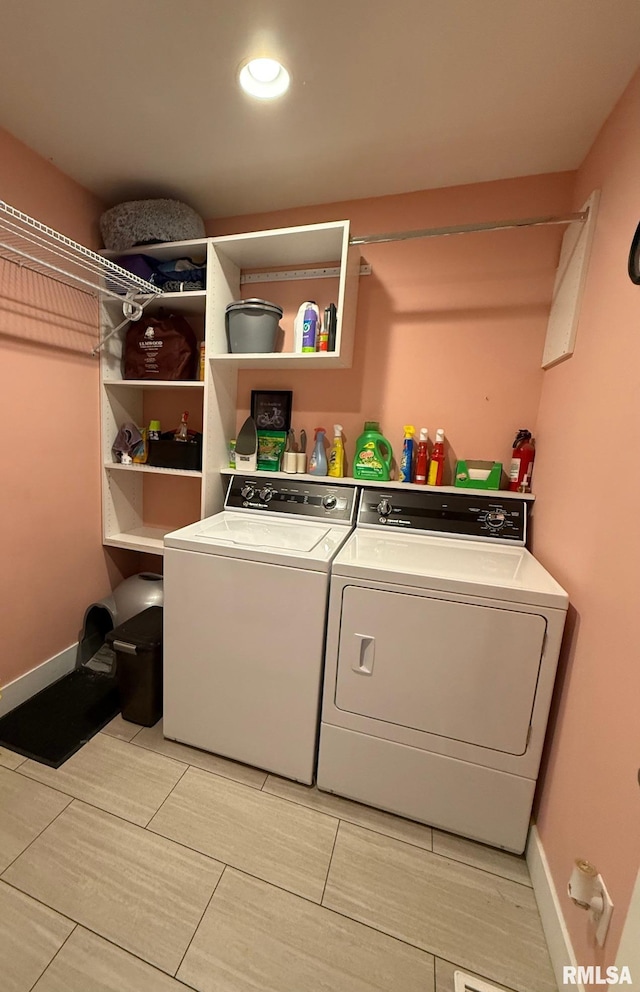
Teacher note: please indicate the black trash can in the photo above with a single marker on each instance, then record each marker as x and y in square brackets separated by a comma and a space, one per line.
[138, 647]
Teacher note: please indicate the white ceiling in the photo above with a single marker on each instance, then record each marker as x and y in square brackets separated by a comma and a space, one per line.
[139, 97]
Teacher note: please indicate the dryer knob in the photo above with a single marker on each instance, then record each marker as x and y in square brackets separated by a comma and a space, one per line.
[248, 491]
[384, 507]
[266, 494]
[330, 501]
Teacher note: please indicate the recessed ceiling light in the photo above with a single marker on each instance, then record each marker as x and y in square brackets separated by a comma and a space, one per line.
[264, 78]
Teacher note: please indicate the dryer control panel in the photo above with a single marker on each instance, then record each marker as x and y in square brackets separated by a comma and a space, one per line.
[479, 518]
[303, 499]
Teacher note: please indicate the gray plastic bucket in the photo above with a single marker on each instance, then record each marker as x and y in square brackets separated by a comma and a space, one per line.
[252, 326]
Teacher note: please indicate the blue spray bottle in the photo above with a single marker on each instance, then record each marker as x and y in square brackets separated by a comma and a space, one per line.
[406, 465]
[318, 460]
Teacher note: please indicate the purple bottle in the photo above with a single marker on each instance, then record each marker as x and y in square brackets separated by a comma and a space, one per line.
[309, 330]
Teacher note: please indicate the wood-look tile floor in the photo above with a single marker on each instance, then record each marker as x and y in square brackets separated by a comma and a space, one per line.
[143, 865]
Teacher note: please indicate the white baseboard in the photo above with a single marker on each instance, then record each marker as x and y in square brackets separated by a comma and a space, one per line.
[27, 685]
[553, 924]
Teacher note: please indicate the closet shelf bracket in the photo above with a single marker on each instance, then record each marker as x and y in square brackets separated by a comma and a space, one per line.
[27, 242]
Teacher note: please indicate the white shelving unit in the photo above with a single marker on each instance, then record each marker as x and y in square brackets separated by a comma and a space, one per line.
[122, 400]
[304, 247]
[229, 261]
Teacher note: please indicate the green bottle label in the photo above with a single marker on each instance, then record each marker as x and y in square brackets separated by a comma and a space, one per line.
[369, 463]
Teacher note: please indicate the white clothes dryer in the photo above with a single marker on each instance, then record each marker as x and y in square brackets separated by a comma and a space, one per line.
[245, 609]
[442, 646]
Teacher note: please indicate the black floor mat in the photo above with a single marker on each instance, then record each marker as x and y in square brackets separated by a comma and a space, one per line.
[55, 723]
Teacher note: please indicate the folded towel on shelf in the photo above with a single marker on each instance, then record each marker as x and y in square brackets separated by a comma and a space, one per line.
[178, 275]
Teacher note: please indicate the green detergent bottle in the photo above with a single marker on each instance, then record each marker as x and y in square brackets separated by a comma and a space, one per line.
[373, 454]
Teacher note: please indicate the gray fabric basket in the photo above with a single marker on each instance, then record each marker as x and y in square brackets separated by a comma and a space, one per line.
[144, 222]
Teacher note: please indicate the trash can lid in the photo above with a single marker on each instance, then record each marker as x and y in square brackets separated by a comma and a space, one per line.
[144, 630]
[254, 304]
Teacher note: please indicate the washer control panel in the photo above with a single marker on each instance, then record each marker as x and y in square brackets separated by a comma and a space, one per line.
[304, 499]
[486, 517]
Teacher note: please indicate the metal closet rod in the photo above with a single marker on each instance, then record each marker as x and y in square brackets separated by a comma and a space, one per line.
[491, 225]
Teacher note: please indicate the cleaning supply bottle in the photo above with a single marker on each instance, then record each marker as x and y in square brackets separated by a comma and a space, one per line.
[323, 335]
[524, 452]
[182, 433]
[140, 453]
[373, 454]
[318, 460]
[336, 455]
[422, 459]
[436, 468]
[305, 327]
[310, 329]
[406, 463]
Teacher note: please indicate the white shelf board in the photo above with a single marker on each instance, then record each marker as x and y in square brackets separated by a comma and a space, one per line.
[281, 360]
[154, 470]
[192, 302]
[154, 383]
[284, 246]
[189, 302]
[305, 477]
[150, 539]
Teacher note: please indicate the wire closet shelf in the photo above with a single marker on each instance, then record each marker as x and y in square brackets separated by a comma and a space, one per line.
[27, 242]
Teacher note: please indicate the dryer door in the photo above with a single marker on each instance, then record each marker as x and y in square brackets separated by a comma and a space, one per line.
[457, 670]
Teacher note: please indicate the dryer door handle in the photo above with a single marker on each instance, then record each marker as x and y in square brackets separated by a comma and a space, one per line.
[363, 664]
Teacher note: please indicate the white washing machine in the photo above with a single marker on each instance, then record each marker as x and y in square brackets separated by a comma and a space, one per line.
[245, 606]
[442, 645]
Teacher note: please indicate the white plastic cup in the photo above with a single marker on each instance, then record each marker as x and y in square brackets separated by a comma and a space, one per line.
[301, 461]
[290, 462]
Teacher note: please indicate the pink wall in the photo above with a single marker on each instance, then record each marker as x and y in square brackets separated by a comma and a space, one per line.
[449, 332]
[587, 481]
[53, 561]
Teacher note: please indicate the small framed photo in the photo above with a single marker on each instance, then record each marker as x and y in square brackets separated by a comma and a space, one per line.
[272, 410]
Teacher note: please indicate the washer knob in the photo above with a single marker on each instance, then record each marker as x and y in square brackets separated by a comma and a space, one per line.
[384, 507]
[496, 519]
[248, 491]
[329, 501]
[266, 494]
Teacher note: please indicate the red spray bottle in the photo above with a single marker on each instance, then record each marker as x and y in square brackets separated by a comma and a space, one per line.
[436, 466]
[422, 461]
[524, 452]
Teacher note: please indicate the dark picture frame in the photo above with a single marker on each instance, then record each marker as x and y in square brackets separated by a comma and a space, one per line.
[271, 409]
